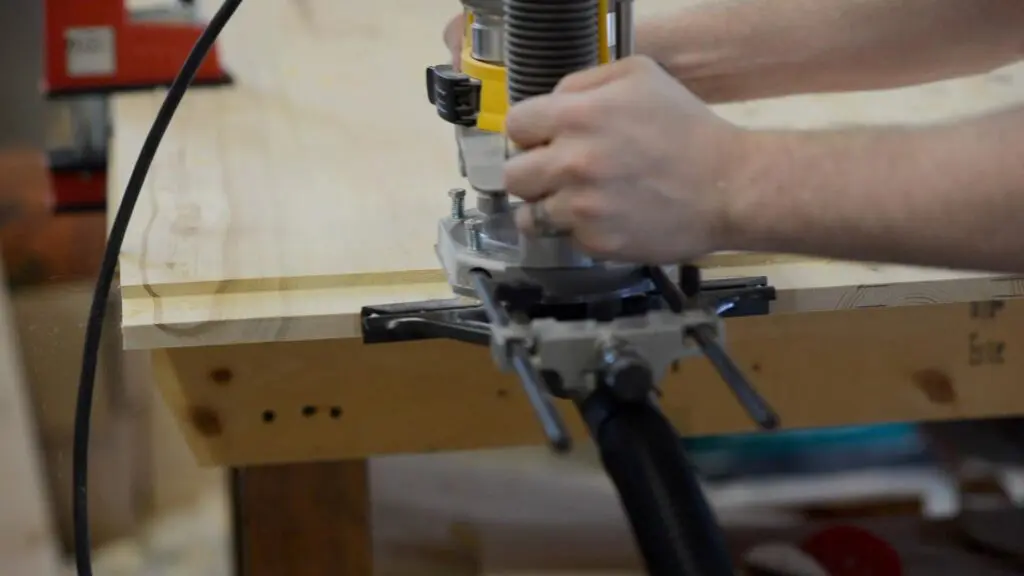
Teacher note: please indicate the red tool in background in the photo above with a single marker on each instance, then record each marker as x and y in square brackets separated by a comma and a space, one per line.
[94, 48]
[853, 551]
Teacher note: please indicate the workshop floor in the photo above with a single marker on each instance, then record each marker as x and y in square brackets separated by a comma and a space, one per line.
[430, 514]
[518, 512]
[193, 542]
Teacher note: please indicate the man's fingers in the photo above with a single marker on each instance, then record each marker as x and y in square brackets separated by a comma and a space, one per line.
[555, 211]
[535, 121]
[595, 77]
[538, 120]
[536, 173]
[453, 34]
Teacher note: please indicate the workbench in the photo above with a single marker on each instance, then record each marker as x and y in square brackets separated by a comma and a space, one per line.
[277, 208]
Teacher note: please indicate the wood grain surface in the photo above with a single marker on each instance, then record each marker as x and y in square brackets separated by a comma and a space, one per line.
[277, 208]
[333, 399]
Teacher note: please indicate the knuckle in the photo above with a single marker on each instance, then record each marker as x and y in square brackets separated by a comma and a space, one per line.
[581, 113]
[511, 178]
[586, 207]
[517, 177]
[514, 124]
[582, 164]
[567, 83]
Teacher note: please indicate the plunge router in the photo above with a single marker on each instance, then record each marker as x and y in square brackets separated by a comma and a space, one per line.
[597, 334]
[513, 51]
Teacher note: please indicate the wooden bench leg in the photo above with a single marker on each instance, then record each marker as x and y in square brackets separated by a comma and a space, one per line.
[303, 519]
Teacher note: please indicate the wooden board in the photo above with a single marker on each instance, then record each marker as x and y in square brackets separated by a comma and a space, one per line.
[331, 399]
[277, 208]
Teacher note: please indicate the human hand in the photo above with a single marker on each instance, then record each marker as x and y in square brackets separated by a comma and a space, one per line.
[453, 35]
[627, 160]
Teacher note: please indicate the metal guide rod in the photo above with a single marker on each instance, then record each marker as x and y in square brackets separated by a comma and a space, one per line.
[520, 358]
[752, 402]
[755, 404]
[625, 44]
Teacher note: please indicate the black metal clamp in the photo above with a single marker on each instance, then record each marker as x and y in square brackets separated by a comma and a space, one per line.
[457, 319]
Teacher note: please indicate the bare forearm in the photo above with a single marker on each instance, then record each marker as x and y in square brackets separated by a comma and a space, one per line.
[749, 49]
[947, 196]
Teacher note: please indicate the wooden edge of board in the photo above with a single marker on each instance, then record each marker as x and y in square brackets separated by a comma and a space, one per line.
[335, 399]
[140, 289]
[316, 314]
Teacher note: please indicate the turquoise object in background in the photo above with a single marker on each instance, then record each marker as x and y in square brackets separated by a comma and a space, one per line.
[807, 451]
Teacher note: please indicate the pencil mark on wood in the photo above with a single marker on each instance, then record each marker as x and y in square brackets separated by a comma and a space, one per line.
[987, 310]
[982, 352]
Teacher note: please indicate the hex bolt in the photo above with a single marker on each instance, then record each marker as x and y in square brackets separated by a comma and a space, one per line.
[458, 196]
[474, 228]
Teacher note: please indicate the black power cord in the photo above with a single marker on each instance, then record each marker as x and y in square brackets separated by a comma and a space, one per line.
[98, 309]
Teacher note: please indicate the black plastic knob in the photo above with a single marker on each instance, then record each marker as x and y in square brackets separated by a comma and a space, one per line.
[628, 376]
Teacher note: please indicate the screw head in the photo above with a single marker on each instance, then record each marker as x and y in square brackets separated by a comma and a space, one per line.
[458, 196]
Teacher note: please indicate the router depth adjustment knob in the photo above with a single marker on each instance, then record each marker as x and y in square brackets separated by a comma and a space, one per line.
[626, 373]
[455, 95]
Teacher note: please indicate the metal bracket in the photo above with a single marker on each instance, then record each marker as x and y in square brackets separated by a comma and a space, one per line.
[749, 296]
[466, 320]
[454, 318]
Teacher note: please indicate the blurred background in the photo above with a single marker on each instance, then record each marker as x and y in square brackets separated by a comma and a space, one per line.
[21, 58]
[941, 498]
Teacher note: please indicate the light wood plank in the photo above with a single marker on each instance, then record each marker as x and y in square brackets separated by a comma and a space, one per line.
[277, 208]
[247, 404]
[321, 313]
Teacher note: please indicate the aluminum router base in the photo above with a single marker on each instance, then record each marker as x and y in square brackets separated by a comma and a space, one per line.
[492, 243]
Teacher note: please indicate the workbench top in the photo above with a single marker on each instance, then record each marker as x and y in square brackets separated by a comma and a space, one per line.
[277, 208]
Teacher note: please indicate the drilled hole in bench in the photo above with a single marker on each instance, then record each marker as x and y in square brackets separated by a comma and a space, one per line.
[268, 416]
